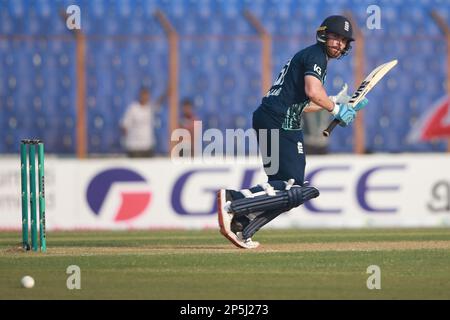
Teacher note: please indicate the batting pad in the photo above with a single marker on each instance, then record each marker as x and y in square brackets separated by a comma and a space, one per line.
[283, 200]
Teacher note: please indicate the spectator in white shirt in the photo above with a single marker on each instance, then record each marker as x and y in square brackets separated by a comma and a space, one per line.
[138, 124]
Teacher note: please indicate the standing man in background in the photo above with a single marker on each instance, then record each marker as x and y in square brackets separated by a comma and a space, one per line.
[315, 141]
[138, 126]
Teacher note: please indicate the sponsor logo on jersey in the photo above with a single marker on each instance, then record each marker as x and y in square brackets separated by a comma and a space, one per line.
[317, 69]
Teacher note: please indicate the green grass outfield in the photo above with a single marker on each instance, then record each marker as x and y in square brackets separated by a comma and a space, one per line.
[290, 264]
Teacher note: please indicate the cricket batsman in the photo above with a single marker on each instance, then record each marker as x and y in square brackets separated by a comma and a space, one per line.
[297, 89]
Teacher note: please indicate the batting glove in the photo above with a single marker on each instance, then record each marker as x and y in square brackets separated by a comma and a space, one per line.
[342, 96]
[361, 104]
[344, 113]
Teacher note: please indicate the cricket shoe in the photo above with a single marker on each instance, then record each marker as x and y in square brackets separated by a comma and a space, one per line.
[225, 216]
[245, 243]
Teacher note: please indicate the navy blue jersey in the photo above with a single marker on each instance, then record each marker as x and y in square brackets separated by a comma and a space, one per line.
[286, 98]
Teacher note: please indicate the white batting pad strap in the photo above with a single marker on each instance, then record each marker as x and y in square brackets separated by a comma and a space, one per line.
[252, 216]
[247, 193]
[227, 206]
[268, 188]
[289, 184]
[260, 193]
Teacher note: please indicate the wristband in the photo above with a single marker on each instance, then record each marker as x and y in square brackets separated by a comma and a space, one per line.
[336, 109]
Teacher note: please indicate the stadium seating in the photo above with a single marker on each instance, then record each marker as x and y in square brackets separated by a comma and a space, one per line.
[220, 66]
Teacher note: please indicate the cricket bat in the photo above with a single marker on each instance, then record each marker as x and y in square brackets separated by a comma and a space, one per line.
[368, 83]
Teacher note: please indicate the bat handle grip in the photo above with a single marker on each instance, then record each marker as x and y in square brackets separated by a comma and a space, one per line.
[330, 128]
